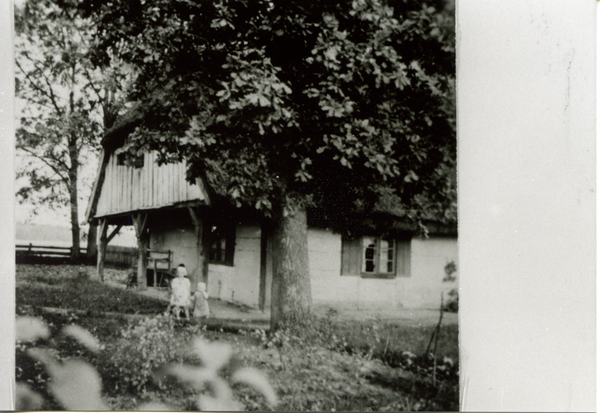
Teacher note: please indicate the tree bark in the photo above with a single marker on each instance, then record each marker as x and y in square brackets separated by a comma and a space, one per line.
[202, 227]
[291, 298]
[73, 197]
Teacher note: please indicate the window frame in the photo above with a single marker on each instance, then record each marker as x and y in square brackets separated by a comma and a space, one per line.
[377, 258]
[353, 257]
[125, 158]
[223, 233]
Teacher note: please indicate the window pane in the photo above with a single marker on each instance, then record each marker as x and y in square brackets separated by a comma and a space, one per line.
[369, 254]
[378, 256]
[222, 250]
[386, 260]
[217, 251]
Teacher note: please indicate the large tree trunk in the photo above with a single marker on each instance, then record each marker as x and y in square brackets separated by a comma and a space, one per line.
[291, 298]
[202, 227]
[74, 202]
[75, 252]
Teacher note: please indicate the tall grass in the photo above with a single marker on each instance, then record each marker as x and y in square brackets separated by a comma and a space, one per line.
[70, 287]
[330, 365]
[386, 341]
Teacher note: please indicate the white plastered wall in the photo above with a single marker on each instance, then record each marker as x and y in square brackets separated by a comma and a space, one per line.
[180, 241]
[241, 282]
[421, 289]
[429, 257]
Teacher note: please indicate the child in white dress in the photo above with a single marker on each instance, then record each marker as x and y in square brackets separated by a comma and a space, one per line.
[201, 301]
[180, 293]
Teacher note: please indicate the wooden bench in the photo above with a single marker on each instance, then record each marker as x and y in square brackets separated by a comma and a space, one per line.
[158, 260]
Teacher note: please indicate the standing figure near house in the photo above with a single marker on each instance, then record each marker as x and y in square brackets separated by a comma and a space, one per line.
[200, 299]
[180, 293]
[131, 278]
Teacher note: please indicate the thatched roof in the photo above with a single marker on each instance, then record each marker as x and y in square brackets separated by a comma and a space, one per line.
[124, 125]
[116, 136]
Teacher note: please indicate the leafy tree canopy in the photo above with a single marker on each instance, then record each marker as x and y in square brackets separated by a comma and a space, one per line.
[343, 105]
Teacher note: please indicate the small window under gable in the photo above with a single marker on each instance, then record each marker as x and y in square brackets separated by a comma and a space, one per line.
[126, 158]
[376, 257]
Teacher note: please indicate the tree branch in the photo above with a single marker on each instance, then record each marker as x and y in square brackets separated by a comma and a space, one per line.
[91, 83]
[49, 94]
[36, 86]
[45, 160]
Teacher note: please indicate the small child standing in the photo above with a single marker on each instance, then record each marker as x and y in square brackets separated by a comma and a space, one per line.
[201, 301]
[180, 293]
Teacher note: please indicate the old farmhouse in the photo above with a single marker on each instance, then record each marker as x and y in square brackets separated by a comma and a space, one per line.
[175, 223]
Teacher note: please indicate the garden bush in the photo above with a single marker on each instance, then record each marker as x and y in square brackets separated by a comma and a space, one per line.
[75, 384]
[144, 346]
[451, 305]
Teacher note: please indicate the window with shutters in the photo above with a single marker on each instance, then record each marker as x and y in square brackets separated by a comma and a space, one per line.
[376, 257]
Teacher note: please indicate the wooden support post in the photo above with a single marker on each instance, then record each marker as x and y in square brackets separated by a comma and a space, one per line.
[262, 289]
[91, 251]
[141, 233]
[102, 227]
[155, 280]
[203, 243]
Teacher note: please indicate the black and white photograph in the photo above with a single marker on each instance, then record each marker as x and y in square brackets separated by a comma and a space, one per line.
[267, 205]
[236, 205]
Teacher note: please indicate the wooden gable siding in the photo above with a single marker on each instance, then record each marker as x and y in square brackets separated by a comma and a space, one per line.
[126, 188]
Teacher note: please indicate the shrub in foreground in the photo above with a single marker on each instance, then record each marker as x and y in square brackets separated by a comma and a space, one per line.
[75, 384]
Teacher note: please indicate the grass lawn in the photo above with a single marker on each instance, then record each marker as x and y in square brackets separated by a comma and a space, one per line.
[334, 365]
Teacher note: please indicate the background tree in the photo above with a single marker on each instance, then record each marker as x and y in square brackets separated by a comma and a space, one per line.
[283, 106]
[67, 105]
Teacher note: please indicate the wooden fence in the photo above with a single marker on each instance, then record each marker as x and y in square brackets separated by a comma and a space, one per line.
[117, 256]
[46, 251]
[124, 257]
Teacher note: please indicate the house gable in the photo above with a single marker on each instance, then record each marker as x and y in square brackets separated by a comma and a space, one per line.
[128, 188]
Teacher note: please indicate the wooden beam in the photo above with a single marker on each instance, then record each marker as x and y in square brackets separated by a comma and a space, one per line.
[262, 293]
[144, 221]
[97, 188]
[196, 221]
[113, 233]
[139, 223]
[102, 227]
